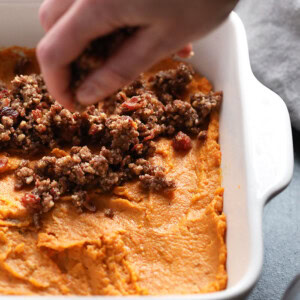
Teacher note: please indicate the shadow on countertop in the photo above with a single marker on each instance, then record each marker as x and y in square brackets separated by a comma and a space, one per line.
[281, 229]
[296, 139]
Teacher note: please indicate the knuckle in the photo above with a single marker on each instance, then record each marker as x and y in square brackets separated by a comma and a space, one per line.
[44, 53]
[44, 14]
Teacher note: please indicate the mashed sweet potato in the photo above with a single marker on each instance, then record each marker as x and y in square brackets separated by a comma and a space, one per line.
[137, 242]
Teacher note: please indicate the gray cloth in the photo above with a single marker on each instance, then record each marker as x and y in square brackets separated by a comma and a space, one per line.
[273, 31]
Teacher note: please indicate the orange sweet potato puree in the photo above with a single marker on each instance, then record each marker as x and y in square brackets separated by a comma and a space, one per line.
[155, 243]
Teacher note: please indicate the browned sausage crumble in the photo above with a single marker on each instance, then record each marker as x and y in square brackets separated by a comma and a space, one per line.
[122, 130]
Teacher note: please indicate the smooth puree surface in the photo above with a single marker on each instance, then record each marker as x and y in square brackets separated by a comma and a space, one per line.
[150, 243]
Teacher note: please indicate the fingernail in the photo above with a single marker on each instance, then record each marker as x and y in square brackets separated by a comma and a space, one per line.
[88, 94]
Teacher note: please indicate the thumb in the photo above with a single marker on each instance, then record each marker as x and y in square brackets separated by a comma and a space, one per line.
[138, 53]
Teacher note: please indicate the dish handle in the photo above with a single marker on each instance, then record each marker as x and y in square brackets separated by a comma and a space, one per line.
[271, 143]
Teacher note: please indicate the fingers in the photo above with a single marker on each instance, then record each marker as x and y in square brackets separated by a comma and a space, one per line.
[72, 33]
[66, 40]
[58, 85]
[52, 10]
[73, 24]
[186, 52]
[138, 54]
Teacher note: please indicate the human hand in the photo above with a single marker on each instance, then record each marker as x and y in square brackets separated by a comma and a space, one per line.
[164, 27]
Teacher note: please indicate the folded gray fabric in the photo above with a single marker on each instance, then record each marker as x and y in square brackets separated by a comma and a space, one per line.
[273, 31]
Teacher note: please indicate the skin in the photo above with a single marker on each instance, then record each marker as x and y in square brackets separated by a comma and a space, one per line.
[165, 27]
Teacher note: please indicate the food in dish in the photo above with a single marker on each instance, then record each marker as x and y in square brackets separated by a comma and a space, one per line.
[150, 223]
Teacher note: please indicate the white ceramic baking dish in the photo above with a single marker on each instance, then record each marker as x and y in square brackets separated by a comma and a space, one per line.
[255, 137]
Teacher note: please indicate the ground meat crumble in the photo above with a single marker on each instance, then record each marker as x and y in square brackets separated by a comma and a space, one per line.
[123, 131]
[169, 85]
